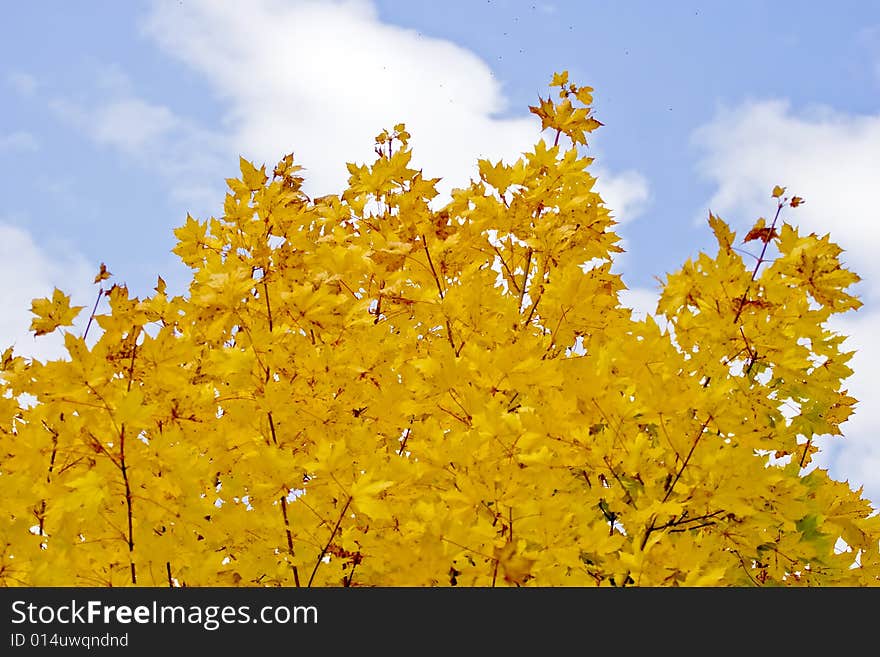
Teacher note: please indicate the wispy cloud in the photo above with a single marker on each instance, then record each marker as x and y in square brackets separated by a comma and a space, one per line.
[178, 150]
[129, 124]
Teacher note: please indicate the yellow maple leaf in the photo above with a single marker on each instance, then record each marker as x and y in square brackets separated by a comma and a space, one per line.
[760, 231]
[516, 567]
[559, 79]
[364, 389]
[251, 176]
[722, 231]
[103, 274]
[52, 313]
[88, 489]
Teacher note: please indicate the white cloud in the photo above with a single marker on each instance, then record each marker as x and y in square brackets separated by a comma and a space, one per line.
[185, 155]
[321, 79]
[34, 272]
[827, 157]
[18, 141]
[830, 159]
[641, 300]
[861, 460]
[129, 124]
[625, 194]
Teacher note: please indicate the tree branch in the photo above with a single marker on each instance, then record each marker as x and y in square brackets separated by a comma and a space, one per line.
[329, 541]
[289, 540]
[742, 301]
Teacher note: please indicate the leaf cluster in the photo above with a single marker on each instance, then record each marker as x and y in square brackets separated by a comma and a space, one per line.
[368, 389]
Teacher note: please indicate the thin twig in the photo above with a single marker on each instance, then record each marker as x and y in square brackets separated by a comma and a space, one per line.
[651, 528]
[289, 540]
[268, 306]
[329, 541]
[510, 276]
[94, 310]
[742, 301]
[806, 451]
[128, 503]
[272, 428]
[405, 438]
[124, 467]
[687, 458]
[433, 271]
[525, 283]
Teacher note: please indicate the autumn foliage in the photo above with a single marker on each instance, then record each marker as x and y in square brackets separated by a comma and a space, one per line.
[371, 389]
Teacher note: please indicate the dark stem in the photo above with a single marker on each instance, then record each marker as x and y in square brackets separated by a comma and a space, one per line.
[510, 276]
[522, 292]
[131, 368]
[704, 520]
[346, 581]
[806, 451]
[272, 428]
[439, 289]
[687, 459]
[431, 265]
[289, 540]
[49, 473]
[455, 415]
[742, 300]
[531, 312]
[708, 523]
[534, 303]
[94, 310]
[268, 307]
[128, 501]
[329, 541]
[449, 337]
[124, 468]
[629, 497]
[378, 308]
[403, 442]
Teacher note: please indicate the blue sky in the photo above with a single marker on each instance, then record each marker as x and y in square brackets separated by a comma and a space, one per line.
[119, 118]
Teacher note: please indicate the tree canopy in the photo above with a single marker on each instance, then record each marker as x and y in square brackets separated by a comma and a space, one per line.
[381, 387]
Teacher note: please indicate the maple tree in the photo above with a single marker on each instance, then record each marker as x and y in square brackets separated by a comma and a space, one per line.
[370, 389]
